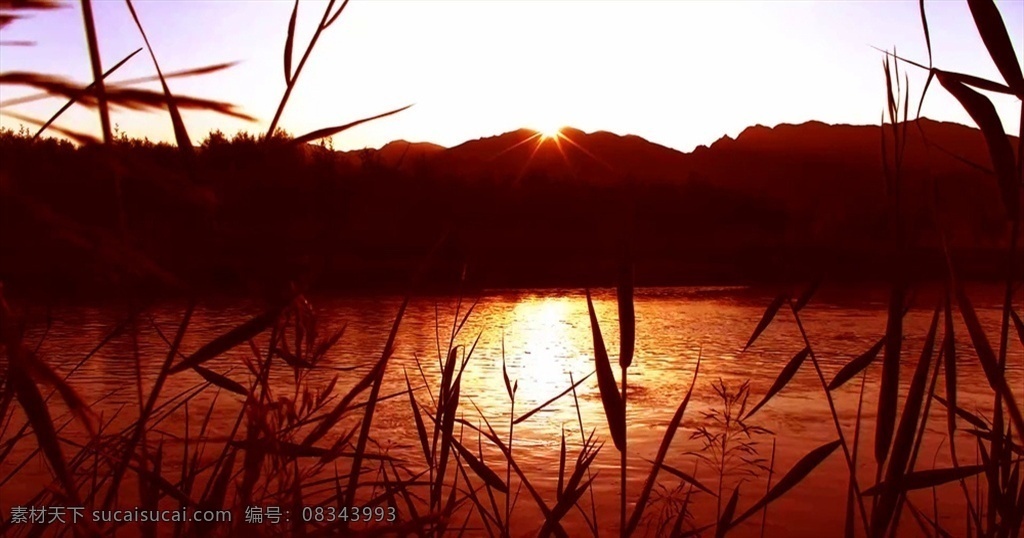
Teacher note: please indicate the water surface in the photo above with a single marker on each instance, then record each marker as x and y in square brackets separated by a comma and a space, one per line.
[546, 338]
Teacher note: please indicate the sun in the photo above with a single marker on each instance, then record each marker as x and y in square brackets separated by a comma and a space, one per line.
[549, 132]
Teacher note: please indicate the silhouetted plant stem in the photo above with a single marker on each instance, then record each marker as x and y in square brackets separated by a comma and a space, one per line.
[852, 492]
[622, 460]
[325, 21]
[850, 463]
[768, 488]
[508, 468]
[583, 439]
[101, 103]
[97, 70]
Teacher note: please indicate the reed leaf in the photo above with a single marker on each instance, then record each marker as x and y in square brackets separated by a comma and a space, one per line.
[561, 467]
[611, 399]
[684, 476]
[883, 513]
[564, 505]
[127, 82]
[504, 372]
[74, 99]
[345, 404]
[337, 14]
[220, 485]
[371, 405]
[180, 134]
[783, 379]
[806, 296]
[975, 82]
[627, 317]
[331, 131]
[41, 372]
[994, 373]
[481, 469]
[289, 42]
[1018, 324]
[925, 479]
[97, 70]
[997, 41]
[888, 391]
[659, 459]
[990, 435]
[535, 410]
[575, 487]
[79, 137]
[927, 34]
[281, 448]
[1000, 152]
[494, 438]
[421, 430]
[795, 475]
[32, 403]
[969, 80]
[221, 381]
[949, 367]
[229, 340]
[856, 365]
[726, 518]
[128, 98]
[766, 319]
[975, 420]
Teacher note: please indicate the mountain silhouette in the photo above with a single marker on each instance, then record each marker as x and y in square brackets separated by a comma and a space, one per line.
[797, 165]
[816, 170]
[516, 209]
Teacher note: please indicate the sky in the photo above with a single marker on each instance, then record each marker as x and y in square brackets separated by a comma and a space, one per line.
[678, 73]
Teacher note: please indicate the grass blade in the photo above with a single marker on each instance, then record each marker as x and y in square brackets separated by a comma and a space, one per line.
[610, 397]
[659, 460]
[784, 378]
[685, 477]
[856, 366]
[769, 314]
[481, 469]
[726, 519]
[504, 372]
[806, 296]
[87, 89]
[180, 134]
[627, 317]
[888, 392]
[996, 378]
[1000, 152]
[792, 478]
[561, 467]
[371, 405]
[949, 367]
[97, 70]
[331, 131]
[975, 420]
[228, 340]
[925, 479]
[421, 430]
[904, 440]
[541, 407]
[1018, 324]
[997, 41]
[27, 394]
[288, 44]
[221, 381]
